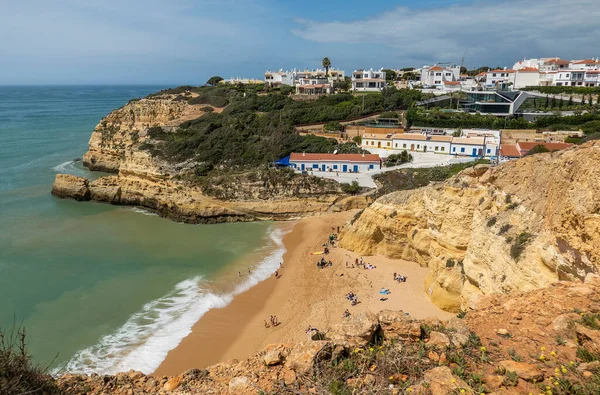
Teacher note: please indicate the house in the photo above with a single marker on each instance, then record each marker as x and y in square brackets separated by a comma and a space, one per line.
[368, 80]
[468, 146]
[313, 86]
[292, 77]
[377, 140]
[500, 103]
[239, 80]
[498, 78]
[526, 76]
[345, 163]
[521, 148]
[452, 85]
[437, 75]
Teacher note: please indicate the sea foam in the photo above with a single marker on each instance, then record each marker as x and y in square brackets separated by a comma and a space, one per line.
[143, 342]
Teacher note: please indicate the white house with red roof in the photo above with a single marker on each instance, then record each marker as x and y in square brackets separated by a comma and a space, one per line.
[343, 163]
[436, 75]
[499, 78]
[555, 72]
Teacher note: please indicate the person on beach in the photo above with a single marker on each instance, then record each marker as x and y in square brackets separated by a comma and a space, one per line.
[338, 229]
[267, 325]
[239, 274]
[361, 260]
[248, 270]
[395, 276]
[276, 273]
[346, 314]
[280, 264]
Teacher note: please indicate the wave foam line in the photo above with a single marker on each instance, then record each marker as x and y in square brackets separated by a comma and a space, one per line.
[143, 342]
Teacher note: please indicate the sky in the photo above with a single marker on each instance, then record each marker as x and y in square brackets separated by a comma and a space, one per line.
[179, 42]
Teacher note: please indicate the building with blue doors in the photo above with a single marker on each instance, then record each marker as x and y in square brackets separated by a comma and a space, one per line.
[344, 163]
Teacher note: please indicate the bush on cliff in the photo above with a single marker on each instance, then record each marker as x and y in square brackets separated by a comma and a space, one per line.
[18, 374]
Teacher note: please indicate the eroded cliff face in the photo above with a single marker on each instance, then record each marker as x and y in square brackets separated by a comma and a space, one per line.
[141, 179]
[521, 226]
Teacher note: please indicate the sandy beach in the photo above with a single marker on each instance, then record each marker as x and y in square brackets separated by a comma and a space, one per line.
[302, 296]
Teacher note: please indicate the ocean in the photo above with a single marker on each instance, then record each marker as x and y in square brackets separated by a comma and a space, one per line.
[101, 288]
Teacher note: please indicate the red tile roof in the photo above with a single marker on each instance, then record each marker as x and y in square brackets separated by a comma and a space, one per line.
[333, 157]
[587, 61]
[558, 61]
[509, 150]
[527, 145]
[451, 83]
[501, 71]
[436, 68]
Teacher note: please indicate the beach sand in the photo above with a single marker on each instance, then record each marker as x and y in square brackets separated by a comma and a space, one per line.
[303, 295]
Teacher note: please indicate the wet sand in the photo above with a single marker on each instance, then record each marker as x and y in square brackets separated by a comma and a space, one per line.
[304, 295]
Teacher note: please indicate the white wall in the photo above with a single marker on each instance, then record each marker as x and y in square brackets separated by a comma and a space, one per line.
[334, 166]
[522, 80]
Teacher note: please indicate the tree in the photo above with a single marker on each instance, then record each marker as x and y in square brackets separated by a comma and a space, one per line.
[560, 103]
[213, 81]
[538, 149]
[463, 70]
[570, 101]
[326, 64]
[553, 102]
[357, 139]
[350, 188]
[390, 75]
[547, 102]
[342, 85]
[590, 99]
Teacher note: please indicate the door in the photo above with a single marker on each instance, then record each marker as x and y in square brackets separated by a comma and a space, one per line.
[480, 152]
[322, 167]
[356, 168]
[302, 166]
[344, 168]
[412, 147]
[424, 148]
[474, 151]
[379, 144]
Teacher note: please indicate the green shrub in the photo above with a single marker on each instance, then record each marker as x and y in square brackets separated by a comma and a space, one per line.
[351, 188]
[18, 375]
[398, 159]
[333, 126]
[491, 222]
[519, 245]
[504, 228]
[538, 149]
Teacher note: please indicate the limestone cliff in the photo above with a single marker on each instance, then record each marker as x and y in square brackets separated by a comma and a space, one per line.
[517, 227]
[143, 179]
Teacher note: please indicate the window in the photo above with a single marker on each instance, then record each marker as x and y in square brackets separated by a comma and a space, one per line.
[436, 148]
[462, 149]
[395, 145]
[404, 146]
[453, 149]
[442, 149]
[372, 143]
[489, 151]
[493, 75]
[370, 166]
[334, 167]
[418, 146]
[388, 144]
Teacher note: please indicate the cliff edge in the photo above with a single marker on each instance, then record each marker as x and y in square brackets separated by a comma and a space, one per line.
[520, 226]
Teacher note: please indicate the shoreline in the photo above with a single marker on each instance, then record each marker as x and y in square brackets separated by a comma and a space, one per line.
[303, 296]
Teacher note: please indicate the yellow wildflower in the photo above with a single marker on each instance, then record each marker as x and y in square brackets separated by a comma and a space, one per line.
[563, 369]
[483, 349]
[572, 363]
[542, 357]
[453, 381]
[553, 353]
[543, 348]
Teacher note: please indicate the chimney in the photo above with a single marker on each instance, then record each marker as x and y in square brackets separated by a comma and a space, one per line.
[363, 154]
[304, 154]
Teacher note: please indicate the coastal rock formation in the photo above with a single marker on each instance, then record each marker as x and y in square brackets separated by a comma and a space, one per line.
[146, 180]
[520, 226]
[534, 354]
[69, 186]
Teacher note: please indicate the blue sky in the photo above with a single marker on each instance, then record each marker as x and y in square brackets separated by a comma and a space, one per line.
[187, 41]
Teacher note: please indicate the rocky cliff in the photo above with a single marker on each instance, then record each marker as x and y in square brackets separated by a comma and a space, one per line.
[119, 144]
[545, 341]
[520, 226]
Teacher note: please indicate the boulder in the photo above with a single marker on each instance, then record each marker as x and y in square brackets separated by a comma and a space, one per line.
[458, 325]
[397, 325]
[238, 383]
[493, 381]
[357, 331]
[438, 340]
[442, 381]
[588, 338]
[69, 186]
[526, 371]
[590, 366]
[459, 340]
[172, 383]
[303, 357]
[272, 358]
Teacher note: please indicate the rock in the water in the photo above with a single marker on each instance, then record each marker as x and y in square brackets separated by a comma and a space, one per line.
[69, 186]
[357, 331]
[524, 370]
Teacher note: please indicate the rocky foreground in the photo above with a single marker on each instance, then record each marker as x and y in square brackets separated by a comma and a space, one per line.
[545, 341]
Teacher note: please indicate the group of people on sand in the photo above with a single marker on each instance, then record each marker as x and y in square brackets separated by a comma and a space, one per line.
[274, 322]
[322, 263]
[353, 298]
[277, 275]
[361, 263]
[400, 278]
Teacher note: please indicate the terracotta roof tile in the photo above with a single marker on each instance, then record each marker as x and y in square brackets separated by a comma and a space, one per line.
[451, 83]
[509, 150]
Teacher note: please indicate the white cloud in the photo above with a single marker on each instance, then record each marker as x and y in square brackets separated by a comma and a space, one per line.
[487, 31]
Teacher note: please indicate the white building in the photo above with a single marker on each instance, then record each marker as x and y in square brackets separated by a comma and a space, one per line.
[555, 72]
[437, 75]
[498, 78]
[368, 80]
[239, 80]
[292, 77]
[345, 163]
[313, 86]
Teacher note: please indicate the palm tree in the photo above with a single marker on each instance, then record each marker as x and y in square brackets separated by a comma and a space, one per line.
[326, 65]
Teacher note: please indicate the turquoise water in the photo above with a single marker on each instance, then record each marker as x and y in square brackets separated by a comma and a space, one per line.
[106, 288]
